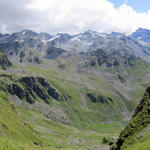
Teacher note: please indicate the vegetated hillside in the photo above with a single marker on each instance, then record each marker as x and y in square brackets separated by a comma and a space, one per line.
[84, 99]
[82, 90]
[61, 136]
[16, 134]
[136, 135]
[126, 74]
[53, 134]
[24, 129]
[62, 100]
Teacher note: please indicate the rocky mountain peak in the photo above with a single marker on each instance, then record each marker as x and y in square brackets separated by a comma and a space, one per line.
[29, 33]
[115, 34]
[142, 35]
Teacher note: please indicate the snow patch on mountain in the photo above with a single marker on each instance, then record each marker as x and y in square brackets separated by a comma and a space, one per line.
[53, 38]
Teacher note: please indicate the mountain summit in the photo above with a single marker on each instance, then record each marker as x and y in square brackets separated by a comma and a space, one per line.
[142, 35]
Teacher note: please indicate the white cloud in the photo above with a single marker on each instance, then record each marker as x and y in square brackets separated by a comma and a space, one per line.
[72, 16]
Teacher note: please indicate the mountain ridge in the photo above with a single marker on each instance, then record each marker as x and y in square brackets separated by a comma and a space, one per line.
[83, 42]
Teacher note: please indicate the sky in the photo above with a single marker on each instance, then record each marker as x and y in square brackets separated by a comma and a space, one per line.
[138, 5]
[74, 16]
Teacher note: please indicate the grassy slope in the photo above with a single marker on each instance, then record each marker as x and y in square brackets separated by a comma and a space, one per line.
[58, 135]
[99, 117]
[81, 118]
[76, 85]
[53, 134]
[18, 134]
[14, 133]
[141, 138]
[136, 135]
[143, 143]
[84, 118]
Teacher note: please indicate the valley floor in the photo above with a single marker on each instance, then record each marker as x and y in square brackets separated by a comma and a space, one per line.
[60, 136]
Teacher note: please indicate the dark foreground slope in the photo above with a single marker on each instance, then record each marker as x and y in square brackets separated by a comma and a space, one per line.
[136, 136]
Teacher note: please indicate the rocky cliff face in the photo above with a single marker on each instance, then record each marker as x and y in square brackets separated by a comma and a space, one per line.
[110, 59]
[31, 89]
[99, 99]
[4, 62]
[139, 121]
[35, 93]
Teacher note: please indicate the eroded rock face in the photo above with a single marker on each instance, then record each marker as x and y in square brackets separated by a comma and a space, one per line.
[4, 62]
[16, 90]
[99, 98]
[31, 88]
[109, 59]
[35, 93]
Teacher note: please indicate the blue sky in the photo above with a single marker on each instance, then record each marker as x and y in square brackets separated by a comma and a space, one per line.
[137, 5]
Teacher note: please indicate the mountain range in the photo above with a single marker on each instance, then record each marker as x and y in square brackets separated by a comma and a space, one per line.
[83, 42]
[71, 91]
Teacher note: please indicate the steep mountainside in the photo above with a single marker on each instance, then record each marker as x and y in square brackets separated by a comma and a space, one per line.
[136, 134]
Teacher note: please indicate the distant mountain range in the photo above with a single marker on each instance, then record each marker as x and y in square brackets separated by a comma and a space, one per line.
[137, 44]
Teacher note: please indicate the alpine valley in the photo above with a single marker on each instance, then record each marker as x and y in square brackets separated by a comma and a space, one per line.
[75, 92]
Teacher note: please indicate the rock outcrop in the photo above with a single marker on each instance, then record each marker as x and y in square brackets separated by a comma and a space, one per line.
[99, 98]
[4, 62]
[31, 89]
